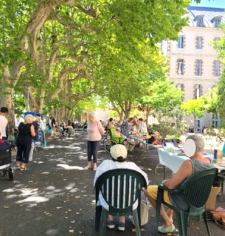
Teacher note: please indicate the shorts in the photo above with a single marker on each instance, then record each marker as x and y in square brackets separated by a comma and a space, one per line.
[152, 191]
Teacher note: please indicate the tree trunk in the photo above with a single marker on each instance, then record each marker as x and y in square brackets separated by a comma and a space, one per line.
[6, 100]
[147, 114]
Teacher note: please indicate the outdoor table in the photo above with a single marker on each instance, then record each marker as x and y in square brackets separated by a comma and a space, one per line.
[147, 146]
[173, 161]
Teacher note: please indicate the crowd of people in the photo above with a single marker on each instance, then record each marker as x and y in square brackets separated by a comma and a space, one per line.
[95, 129]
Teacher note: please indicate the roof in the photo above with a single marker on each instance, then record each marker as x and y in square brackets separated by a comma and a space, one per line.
[209, 14]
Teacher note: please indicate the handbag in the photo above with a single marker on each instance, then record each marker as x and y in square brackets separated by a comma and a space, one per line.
[11, 138]
[144, 211]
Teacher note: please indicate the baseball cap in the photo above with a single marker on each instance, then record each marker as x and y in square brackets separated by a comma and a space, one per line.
[118, 152]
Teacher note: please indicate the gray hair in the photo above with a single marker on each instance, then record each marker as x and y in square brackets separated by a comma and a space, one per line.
[92, 113]
[28, 117]
[199, 142]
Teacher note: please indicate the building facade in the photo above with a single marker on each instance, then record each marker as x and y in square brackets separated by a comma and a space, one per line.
[193, 63]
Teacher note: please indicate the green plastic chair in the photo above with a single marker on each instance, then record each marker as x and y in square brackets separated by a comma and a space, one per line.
[123, 201]
[118, 139]
[196, 190]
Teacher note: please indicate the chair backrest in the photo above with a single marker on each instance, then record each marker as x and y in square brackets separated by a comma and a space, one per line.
[197, 187]
[120, 189]
[112, 132]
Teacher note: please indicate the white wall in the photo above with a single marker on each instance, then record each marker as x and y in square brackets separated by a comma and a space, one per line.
[102, 114]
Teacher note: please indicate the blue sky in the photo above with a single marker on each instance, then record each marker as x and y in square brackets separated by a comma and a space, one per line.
[211, 3]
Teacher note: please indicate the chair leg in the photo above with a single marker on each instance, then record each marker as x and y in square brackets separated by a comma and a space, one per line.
[98, 212]
[136, 222]
[182, 220]
[103, 222]
[158, 208]
[206, 223]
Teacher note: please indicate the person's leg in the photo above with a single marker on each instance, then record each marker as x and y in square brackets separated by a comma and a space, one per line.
[26, 153]
[153, 201]
[95, 153]
[19, 154]
[89, 152]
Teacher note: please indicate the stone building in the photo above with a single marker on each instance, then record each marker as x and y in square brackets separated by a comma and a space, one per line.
[193, 63]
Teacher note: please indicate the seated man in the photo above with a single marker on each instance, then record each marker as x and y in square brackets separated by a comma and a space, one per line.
[129, 144]
[189, 167]
[119, 160]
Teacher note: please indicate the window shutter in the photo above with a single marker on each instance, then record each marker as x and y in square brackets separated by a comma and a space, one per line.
[195, 91]
[199, 43]
[200, 91]
[200, 67]
[216, 68]
[182, 67]
[182, 87]
[182, 42]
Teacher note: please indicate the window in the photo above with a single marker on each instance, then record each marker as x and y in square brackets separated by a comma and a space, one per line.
[215, 120]
[180, 87]
[198, 91]
[198, 67]
[216, 22]
[199, 43]
[180, 67]
[216, 69]
[181, 42]
[200, 21]
[216, 39]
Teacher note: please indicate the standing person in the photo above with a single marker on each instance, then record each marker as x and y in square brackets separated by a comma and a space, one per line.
[3, 122]
[24, 141]
[126, 126]
[95, 131]
[9, 130]
[142, 126]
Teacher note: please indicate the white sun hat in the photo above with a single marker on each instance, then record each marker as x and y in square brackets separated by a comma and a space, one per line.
[117, 151]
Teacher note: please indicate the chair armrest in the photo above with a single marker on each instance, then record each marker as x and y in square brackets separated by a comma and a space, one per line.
[167, 189]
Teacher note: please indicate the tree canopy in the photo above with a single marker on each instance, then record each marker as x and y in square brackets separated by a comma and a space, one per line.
[62, 51]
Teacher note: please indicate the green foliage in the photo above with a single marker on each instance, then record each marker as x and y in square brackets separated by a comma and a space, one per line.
[109, 49]
[20, 104]
[194, 107]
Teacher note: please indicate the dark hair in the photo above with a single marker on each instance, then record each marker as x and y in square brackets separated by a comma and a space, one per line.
[111, 119]
[120, 159]
[130, 119]
[4, 109]
[140, 119]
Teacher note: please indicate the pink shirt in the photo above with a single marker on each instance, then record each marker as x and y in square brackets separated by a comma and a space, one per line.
[95, 131]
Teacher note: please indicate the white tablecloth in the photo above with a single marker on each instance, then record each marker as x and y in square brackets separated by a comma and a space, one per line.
[173, 161]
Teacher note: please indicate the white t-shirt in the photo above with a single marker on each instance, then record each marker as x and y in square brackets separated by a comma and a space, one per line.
[3, 124]
[107, 165]
[143, 127]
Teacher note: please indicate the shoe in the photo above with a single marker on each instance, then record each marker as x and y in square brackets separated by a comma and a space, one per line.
[171, 220]
[121, 226]
[110, 224]
[87, 168]
[95, 168]
[166, 230]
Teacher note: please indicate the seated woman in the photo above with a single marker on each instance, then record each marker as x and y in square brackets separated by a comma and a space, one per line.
[129, 144]
[119, 160]
[189, 167]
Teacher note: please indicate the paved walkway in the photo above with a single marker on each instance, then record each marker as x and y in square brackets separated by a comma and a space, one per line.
[55, 196]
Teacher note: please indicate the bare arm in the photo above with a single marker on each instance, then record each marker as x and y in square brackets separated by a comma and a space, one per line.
[32, 131]
[183, 173]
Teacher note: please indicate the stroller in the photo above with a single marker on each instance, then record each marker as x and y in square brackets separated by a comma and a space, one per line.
[5, 159]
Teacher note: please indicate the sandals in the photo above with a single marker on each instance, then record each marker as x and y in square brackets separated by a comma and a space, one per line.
[95, 168]
[87, 168]
[23, 168]
[18, 167]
